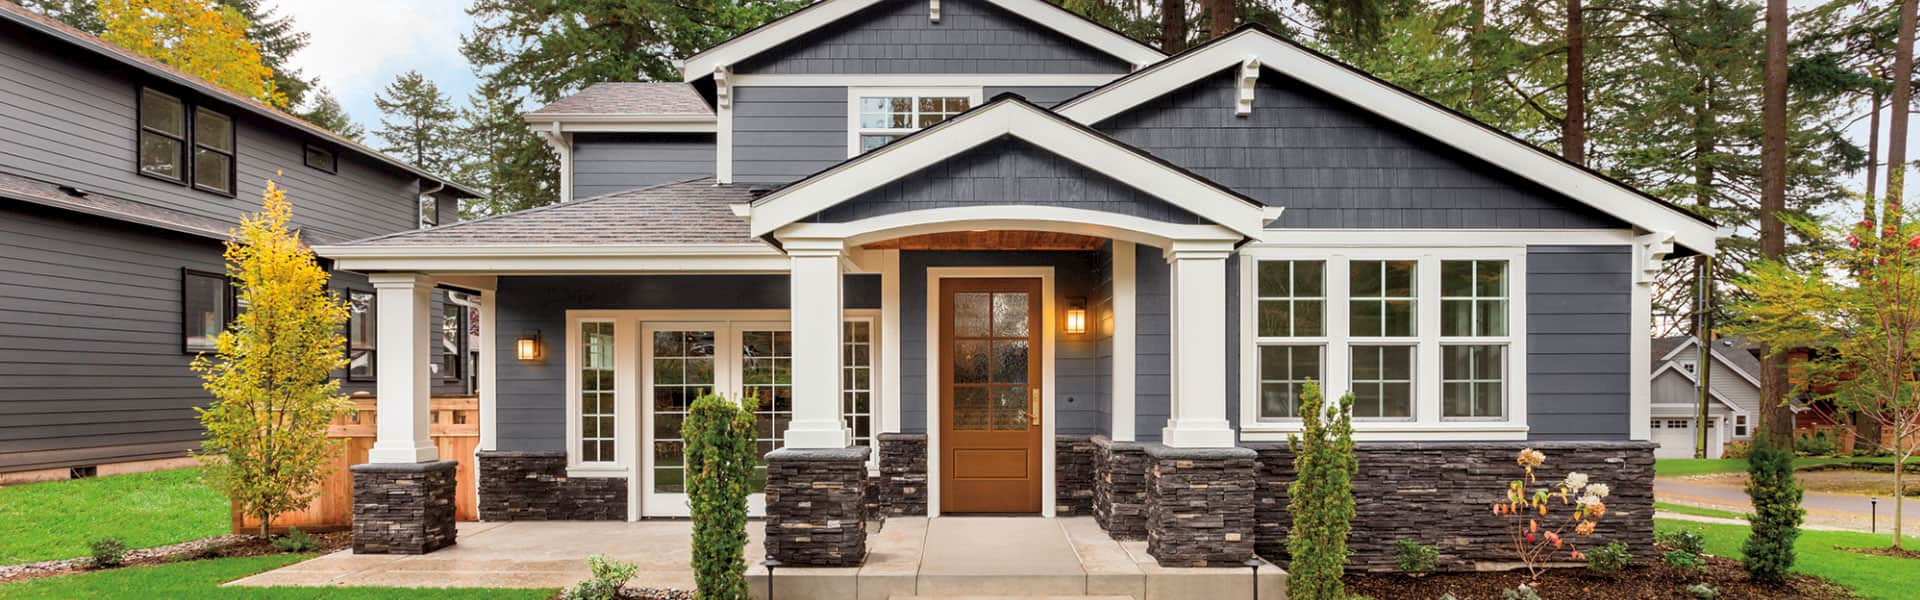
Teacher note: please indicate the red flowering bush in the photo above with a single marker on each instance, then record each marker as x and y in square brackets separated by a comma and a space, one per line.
[1525, 510]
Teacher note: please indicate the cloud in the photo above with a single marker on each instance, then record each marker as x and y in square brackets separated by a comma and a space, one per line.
[358, 46]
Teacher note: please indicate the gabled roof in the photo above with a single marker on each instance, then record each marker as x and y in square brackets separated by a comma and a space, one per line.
[80, 39]
[819, 14]
[1008, 115]
[628, 99]
[1400, 106]
[1714, 393]
[1732, 351]
[23, 189]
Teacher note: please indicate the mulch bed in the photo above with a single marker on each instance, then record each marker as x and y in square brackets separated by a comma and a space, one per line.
[1886, 551]
[223, 546]
[1643, 581]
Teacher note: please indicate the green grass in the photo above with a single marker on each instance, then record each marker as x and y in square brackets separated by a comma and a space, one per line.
[53, 520]
[202, 579]
[1696, 511]
[1684, 467]
[1819, 553]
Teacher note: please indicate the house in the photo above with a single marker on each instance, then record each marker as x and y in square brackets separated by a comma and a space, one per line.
[1733, 409]
[119, 180]
[984, 256]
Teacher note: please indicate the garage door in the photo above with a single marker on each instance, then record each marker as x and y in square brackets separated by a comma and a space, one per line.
[1676, 438]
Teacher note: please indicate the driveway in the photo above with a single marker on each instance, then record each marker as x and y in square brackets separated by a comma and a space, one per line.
[1832, 510]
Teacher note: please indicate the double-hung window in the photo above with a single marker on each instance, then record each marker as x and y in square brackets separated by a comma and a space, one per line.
[207, 305]
[1383, 326]
[1473, 333]
[360, 335]
[881, 116]
[212, 151]
[1292, 332]
[163, 136]
[188, 145]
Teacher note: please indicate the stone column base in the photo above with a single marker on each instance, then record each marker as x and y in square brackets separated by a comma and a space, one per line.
[403, 508]
[815, 499]
[1120, 488]
[1073, 475]
[533, 486]
[903, 474]
[1200, 506]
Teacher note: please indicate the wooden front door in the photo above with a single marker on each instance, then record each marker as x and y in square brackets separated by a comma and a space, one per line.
[990, 403]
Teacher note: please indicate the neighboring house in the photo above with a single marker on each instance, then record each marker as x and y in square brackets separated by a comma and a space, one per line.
[1014, 262]
[119, 180]
[1733, 409]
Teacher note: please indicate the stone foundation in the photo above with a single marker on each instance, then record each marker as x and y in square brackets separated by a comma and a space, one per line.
[1200, 506]
[903, 473]
[403, 508]
[533, 486]
[815, 501]
[1441, 494]
[1073, 475]
[1120, 488]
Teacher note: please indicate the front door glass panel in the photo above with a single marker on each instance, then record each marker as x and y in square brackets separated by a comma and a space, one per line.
[683, 362]
[990, 361]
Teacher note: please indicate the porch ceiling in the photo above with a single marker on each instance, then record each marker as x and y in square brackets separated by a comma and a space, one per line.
[991, 240]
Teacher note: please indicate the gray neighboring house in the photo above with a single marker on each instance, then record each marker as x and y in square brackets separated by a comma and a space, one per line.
[1733, 407]
[984, 256]
[119, 180]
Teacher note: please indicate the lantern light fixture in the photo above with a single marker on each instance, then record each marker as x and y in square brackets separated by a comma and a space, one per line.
[1076, 315]
[528, 346]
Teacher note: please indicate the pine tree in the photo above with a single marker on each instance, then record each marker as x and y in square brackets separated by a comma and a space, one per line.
[327, 112]
[278, 40]
[1321, 496]
[419, 124]
[508, 160]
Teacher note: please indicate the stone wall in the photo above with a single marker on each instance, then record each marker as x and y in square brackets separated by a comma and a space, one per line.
[815, 502]
[1441, 494]
[903, 473]
[534, 486]
[403, 508]
[1120, 488]
[1073, 462]
[1200, 509]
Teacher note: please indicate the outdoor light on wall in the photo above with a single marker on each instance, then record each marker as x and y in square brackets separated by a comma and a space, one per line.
[1076, 315]
[528, 346]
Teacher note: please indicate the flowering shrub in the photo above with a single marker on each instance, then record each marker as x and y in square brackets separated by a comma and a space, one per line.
[1525, 509]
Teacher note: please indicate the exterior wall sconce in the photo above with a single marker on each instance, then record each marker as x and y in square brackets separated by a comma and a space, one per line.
[1076, 315]
[528, 346]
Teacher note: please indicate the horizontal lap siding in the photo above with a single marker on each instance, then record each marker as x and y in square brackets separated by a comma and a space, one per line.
[1153, 343]
[897, 36]
[781, 134]
[608, 163]
[1579, 325]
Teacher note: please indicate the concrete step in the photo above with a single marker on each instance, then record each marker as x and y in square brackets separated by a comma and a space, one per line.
[1012, 598]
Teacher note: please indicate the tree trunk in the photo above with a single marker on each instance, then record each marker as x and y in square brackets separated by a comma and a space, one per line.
[1899, 490]
[1778, 418]
[1897, 122]
[1573, 129]
[1873, 161]
[1221, 16]
[1173, 26]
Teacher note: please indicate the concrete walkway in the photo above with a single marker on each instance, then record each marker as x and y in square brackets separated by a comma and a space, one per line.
[911, 557]
[1834, 511]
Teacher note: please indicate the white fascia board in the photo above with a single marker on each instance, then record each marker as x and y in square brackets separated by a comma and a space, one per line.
[927, 80]
[1696, 382]
[617, 123]
[825, 12]
[1009, 217]
[1400, 107]
[1020, 120]
[717, 258]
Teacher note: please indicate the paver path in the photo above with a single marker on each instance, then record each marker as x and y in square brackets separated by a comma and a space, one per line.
[1832, 510]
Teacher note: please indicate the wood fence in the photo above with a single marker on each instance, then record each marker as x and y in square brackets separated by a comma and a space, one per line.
[455, 430]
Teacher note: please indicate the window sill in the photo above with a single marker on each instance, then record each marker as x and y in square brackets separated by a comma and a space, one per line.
[596, 470]
[1399, 431]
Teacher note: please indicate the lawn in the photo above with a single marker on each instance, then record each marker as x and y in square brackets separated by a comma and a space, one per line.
[1684, 467]
[46, 521]
[1820, 554]
[202, 579]
[1696, 511]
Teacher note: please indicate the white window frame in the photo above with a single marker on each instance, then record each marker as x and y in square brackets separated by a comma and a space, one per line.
[1426, 423]
[1504, 342]
[974, 95]
[625, 394]
[1316, 342]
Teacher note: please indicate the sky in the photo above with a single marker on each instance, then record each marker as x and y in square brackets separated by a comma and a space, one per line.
[359, 46]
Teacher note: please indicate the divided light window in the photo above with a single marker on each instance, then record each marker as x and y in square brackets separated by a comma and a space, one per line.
[206, 308]
[450, 360]
[597, 405]
[212, 151]
[1473, 330]
[1383, 327]
[360, 335]
[1291, 332]
[885, 118]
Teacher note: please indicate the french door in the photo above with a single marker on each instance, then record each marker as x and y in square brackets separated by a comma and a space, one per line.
[681, 362]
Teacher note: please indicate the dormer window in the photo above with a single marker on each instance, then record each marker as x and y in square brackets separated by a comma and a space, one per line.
[881, 116]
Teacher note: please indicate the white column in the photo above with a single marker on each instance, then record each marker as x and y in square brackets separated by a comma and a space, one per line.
[488, 366]
[1199, 294]
[403, 306]
[817, 316]
[1124, 318]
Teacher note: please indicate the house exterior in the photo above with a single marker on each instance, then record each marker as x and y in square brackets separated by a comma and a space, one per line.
[984, 256]
[1733, 409]
[119, 180]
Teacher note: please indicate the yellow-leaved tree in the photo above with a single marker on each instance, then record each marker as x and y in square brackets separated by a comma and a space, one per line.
[271, 373]
[205, 38]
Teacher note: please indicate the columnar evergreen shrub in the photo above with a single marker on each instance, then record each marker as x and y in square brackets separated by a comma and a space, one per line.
[1320, 497]
[1776, 513]
[720, 460]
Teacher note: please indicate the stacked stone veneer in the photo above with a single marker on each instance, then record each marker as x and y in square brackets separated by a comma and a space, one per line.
[815, 502]
[1073, 461]
[1120, 488]
[403, 508]
[534, 486]
[1440, 493]
[1200, 506]
[903, 473]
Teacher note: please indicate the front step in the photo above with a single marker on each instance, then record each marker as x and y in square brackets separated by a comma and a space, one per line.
[1012, 598]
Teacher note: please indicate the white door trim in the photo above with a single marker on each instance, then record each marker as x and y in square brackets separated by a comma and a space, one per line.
[1047, 325]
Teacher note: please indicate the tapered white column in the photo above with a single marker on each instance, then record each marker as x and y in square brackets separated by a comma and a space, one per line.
[1199, 282]
[817, 316]
[403, 303]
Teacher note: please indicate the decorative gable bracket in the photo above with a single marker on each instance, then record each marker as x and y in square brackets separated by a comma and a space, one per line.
[1650, 251]
[722, 90]
[1249, 77]
[933, 10]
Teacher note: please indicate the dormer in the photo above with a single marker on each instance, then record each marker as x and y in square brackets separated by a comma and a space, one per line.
[613, 137]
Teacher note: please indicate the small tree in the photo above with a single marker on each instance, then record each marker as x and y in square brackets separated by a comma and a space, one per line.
[1776, 512]
[1525, 509]
[270, 375]
[720, 460]
[1320, 497]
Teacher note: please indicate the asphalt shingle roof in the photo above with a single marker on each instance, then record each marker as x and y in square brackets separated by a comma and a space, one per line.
[1737, 351]
[23, 189]
[631, 98]
[697, 211]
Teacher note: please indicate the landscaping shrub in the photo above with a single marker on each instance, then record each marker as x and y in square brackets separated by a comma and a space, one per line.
[604, 582]
[1817, 444]
[1703, 591]
[1682, 539]
[720, 459]
[108, 552]
[1521, 593]
[1776, 516]
[1683, 560]
[1524, 510]
[296, 541]
[1736, 450]
[1610, 558]
[1320, 497]
[1414, 557]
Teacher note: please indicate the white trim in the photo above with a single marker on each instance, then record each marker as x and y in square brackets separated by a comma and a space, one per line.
[1012, 217]
[1674, 354]
[854, 93]
[1125, 324]
[562, 145]
[750, 257]
[993, 121]
[816, 297]
[403, 334]
[1648, 252]
[1428, 422]
[723, 138]
[1438, 238]
[1696, 384]
[621, 123]
[926, 80]
[890, 335]
[626, 397]
[489, 369]
[1197, 284]
[1398, 106]
[820, 14]
[1049, 415]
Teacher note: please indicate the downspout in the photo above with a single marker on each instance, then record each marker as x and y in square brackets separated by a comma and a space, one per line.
[427, 196]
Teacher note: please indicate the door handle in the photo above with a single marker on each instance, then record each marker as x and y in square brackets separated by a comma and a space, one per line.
[1033, 407]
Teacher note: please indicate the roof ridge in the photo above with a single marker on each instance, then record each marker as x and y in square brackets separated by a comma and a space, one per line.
[526, 211]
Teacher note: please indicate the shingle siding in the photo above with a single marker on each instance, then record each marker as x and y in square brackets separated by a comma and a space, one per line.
[1579, 327]
[607, 163]
[897, 36]
[1041, 95]
[781, 134]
